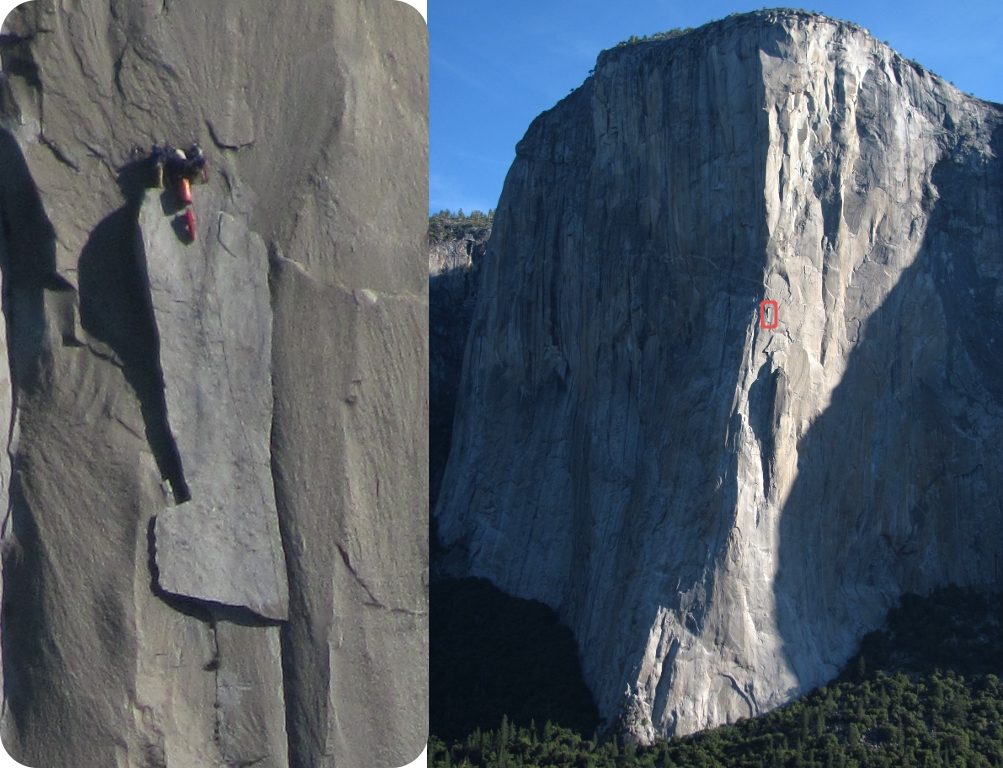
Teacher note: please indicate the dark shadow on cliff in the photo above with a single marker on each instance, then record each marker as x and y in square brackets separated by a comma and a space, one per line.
[116, 309]
[180, 229]
[28, 247]
[26, 650]
[169, 202]
[848, 544]
[451, 301]
[451, 298]
[492, 655]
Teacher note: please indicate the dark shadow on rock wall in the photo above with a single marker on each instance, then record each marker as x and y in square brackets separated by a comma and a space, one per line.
[116, 308]
[28, 246]
[493, 655]
[451, 298]
[892, 490]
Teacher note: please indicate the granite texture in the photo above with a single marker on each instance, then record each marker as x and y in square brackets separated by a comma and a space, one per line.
[215, 545]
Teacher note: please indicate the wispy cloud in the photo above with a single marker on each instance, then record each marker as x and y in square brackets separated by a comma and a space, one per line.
[460, 72]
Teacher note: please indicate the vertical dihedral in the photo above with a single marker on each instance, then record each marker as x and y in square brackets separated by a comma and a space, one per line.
[720, 510]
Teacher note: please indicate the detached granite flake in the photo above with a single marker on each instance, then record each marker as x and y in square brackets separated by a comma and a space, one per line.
[213, 317]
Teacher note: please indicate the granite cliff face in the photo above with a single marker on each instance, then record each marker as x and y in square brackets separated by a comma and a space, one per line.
[720, 511]
[215, 542]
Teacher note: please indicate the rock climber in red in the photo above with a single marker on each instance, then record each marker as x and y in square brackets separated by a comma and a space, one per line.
[180, 169]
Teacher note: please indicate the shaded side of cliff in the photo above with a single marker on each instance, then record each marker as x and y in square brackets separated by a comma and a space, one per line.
[456, 245]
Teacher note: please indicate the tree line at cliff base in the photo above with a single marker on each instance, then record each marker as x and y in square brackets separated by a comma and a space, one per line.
[923, 691]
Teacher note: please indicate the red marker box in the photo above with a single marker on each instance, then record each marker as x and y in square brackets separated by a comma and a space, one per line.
[769, 314]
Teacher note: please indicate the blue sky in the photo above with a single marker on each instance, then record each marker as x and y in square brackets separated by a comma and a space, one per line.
[496, 65]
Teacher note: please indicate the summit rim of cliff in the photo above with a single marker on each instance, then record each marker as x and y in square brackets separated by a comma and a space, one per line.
[782, 16]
